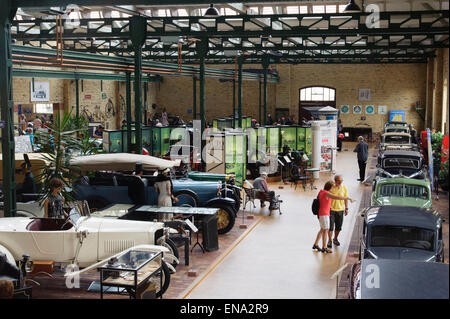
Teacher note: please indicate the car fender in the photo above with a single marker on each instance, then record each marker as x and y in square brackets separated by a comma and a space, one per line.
[221, 200]
[8, 254]
[169, 265]
[186, 190]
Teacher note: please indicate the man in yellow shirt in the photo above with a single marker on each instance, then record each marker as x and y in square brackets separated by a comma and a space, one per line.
[339, 208]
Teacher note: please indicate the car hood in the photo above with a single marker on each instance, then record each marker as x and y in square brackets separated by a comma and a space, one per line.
[188, 182]
[402, 253]
[403, 201]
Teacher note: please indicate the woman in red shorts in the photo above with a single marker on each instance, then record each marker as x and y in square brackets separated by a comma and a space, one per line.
[324, 215]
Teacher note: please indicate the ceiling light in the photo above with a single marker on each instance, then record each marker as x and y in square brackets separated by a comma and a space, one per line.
[212, 12]
[352, 7]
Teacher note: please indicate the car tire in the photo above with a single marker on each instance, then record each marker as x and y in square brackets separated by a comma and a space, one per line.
[173, 249]
[186, 198]
[226, 217]
[165, 272]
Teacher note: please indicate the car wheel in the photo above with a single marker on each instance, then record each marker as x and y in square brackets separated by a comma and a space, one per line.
[97, 203]
[226, 218]
[186, 198]
[169, 244]
[165, 273]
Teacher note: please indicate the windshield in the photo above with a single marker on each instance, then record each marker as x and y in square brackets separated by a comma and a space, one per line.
[404, 190]
[396, 139]
[396, 130]
[401, 162]
[402, 236]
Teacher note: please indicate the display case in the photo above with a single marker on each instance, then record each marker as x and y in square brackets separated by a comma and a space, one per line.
[131, 270]
[301, 138]
[236, 156]
[273, 140]
[161, 140]
[257, 144]
[112, 141]
[147, 137]
[288, 136]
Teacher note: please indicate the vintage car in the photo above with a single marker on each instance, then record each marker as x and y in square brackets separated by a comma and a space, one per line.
[396, 129]
[110, 185]
[401, 191]
[401, 232]
[398, 141]
[395, 124]
[81, 239]
[399, 279]
[401, 163]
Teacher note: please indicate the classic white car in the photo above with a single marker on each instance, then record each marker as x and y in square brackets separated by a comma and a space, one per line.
[82, 240]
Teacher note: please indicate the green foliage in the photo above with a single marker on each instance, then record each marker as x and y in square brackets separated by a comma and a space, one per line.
[443, 175]
[55, 145]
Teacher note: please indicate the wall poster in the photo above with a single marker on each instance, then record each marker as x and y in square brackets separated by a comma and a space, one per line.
[40, 91]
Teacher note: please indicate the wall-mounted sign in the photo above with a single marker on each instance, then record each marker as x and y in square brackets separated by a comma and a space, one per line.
[364, 94]
[382, 109]
[103, 96]
[370, 109]
[357, 109]
[87, 97]
[40, 91]
[397, 116]
[345, 109]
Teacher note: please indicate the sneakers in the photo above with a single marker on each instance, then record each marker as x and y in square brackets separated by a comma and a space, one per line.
[336, 242]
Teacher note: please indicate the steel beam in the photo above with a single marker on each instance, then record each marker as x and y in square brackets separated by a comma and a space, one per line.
[194, 97]
[240, 61]
[77, 99]
[202, 49]
[7, 110]
[128, 102]
[265, 65]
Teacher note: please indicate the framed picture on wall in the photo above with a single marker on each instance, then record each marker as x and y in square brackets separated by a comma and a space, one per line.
[382, 109]
[364, 94]
[370, 109]
[357, 109]
[345, 109]
[40, 91]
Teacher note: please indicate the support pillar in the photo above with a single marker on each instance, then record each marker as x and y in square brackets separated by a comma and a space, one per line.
[138, 28]
[234, 104]
[194, 97]
[145, 102]
[260, 102]
[265, 64]
[128, 102]
[202, 48]
[240, 61]
[7, 110]
[77, 98]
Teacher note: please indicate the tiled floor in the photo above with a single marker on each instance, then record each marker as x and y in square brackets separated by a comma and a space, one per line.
[276, 260]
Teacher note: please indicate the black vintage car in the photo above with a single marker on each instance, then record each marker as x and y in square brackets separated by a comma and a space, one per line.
[398, 232]
[399, 279]
[405, 163]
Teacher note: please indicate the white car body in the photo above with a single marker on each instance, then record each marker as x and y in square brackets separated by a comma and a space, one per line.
[100, 237]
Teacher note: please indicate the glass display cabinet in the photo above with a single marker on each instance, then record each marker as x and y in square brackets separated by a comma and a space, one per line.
[131, 270]
[273, 140]
[112, 141]
[236, 156]
[288, 137]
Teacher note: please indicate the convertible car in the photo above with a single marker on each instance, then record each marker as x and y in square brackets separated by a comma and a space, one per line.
[401, 191]
[399, 232]
[399, 279]
[405, 163]
[82, 240]
[113, 179]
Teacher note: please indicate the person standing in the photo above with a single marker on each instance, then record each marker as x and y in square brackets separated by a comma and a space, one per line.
[325, 198]
[164, 189]
[362, 149]
[164, 118]
[54, 203]
[339, 208]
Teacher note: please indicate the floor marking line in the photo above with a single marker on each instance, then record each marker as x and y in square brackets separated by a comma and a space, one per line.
[220, 259]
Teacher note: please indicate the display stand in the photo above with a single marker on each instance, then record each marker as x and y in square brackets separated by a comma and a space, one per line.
[197, 243]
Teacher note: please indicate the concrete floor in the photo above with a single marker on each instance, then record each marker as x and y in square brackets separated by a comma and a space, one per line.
[275, 260]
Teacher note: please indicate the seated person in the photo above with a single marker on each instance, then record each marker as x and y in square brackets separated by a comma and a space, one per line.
[261, 185]
[98, 132]
[28, 185]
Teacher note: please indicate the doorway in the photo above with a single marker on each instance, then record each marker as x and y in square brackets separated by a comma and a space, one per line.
[313, 98]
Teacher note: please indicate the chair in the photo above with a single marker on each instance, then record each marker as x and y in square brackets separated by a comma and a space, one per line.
[249, 196]
[274, 202]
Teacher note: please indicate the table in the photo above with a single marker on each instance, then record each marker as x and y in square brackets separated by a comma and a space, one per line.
[311, 171]
[131, 270]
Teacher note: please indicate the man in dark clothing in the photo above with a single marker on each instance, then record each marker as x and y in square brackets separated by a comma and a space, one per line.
[362, 149]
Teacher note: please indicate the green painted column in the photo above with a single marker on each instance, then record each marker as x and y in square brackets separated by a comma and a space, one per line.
[138, 27]
[240, 60]
[234, 103]
[194, 98]
[202, 48]
[265, 65]
[7, 110]
[145, 102]
[128, 101]
[260, 102]
[77, 98]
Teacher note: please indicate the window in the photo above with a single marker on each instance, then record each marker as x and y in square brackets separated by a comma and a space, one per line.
[400, 236]
[317, 93]
[318, 9]
[401, 162]
[43, 108]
